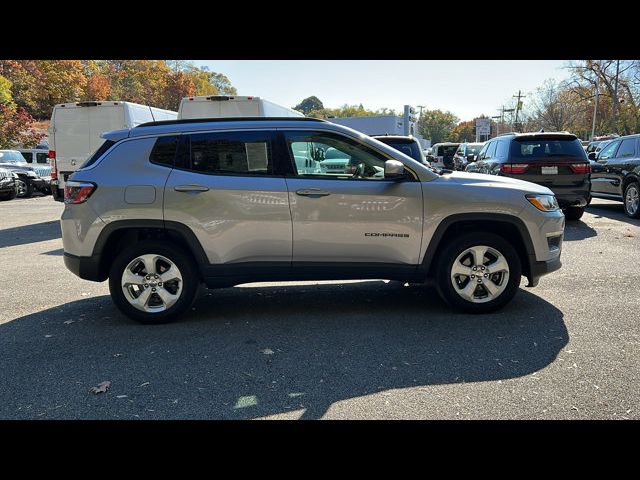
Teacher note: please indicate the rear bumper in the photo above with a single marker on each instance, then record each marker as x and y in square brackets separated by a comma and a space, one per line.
[539, 269]
[573, 196]
[87, 268]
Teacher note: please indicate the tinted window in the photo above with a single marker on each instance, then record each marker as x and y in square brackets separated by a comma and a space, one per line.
[164, 151]
[334, 156]
[534, 148]
[502, 150]
[483, 152]
[473, 148]
[28, 156]
[491, 151]
[246, 153]
[411, 149]
[42, 157]
[627, 148]
[608, 151]
[98, 153]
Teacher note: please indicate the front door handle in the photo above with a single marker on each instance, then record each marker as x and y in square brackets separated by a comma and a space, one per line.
[312, 192]
[191, 188]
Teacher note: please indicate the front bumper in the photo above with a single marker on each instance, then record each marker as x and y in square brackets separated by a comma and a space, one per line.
[539, 269]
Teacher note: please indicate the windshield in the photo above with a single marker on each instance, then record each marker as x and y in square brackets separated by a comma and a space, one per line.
[447, 151]
[11, 156]
[474, 148]
[412, 149]
[528, 149]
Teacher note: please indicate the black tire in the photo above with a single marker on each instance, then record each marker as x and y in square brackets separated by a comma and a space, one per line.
[630, 214]
[8, 196]
[28, 191]
[573, 213]
[456, 247]
[184, 262]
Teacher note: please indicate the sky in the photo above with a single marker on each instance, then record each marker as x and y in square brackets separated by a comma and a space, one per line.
[468, 88]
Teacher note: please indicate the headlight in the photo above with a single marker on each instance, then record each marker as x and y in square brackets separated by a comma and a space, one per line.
[545, 203]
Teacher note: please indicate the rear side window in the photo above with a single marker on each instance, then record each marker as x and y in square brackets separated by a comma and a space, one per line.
[42, 157]
[502, 150]
[164, 151]
[98, 153]
[240, 153]
[627, 148]
[533, 148]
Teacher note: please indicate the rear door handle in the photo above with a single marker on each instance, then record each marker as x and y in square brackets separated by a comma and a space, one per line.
[312, 192]
[191, 188]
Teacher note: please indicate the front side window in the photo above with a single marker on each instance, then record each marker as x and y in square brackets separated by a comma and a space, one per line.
[319, 154]
[491, 151]
[608, 151]
[28, 156]
[239, 153]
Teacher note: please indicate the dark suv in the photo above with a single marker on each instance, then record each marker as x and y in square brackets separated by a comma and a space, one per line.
[407, 145]
[553, 159]
[616, 173]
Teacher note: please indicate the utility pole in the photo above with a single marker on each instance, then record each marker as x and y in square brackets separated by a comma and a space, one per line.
[421, 107]
[595, 112]
[518, 105]
[614, 106]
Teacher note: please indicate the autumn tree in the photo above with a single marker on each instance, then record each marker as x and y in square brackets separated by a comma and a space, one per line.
[16, 128]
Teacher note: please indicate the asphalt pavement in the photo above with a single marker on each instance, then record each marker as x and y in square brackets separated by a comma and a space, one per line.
[567, 349]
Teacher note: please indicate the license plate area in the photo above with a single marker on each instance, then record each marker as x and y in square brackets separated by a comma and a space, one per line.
[549, 170]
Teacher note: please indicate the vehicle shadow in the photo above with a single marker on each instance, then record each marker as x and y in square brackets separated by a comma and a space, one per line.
[255, 351]
[614, 211]
[578, 230]
[37, 232]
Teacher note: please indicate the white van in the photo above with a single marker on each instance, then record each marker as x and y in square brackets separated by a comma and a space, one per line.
[75, 128]
[225, 106]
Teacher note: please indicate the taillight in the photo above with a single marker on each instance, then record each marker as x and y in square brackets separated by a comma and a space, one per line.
[580, 167]
[77, 192]
[52, 162]
[514, 167]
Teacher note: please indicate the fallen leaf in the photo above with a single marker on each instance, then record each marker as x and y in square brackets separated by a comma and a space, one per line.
[121, 396]
[145, 384]
[628, 234]
[48, 336]
[68, 322]
[267, 351]
[101, 387]
[117, 355]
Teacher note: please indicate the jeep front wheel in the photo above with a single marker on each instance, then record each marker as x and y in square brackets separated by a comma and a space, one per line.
[478, 273]
[153, 282]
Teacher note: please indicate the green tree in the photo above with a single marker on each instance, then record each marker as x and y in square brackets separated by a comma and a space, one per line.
[309, 104]
[6, 98]
[437, 125]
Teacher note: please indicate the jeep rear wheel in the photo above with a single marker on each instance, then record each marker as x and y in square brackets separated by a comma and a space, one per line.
[478, 273]
[153, 282]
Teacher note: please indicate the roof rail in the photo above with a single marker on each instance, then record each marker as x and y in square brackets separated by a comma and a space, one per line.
[507, 133]
[227, 119]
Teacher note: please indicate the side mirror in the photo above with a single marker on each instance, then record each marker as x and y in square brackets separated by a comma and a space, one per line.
[592, 156]
[393, 170]
[471, 158]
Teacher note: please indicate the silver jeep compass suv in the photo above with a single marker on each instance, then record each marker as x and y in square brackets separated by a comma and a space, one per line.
[164, 207]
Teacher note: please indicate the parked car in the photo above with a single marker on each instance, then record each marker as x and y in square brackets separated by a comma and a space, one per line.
[35, 155]
[553, 159]
[8, 184]
[75, 128]
[408, 145]
[442, 155]
[615, 174]
[465, 154]
[223, 202]
[30, 178]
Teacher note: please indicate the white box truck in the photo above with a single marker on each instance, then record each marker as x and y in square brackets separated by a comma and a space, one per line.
[75, 129]
[215, 106]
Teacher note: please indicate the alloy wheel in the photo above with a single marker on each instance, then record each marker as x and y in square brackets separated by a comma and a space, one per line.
[152, 283]
[480, 274]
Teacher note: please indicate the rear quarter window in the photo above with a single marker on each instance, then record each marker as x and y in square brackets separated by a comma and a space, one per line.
[98, 153]
[164, 151]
